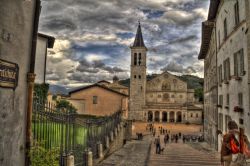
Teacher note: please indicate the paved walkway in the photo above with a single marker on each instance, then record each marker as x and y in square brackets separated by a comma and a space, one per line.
[134, 153]
[179, 154]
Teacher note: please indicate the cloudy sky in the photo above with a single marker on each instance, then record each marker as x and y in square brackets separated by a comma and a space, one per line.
[93, 37]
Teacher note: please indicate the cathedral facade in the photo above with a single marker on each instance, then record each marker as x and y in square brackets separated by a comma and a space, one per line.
[163, 98]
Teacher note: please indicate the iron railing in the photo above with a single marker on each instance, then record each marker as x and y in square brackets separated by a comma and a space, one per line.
[69, 132]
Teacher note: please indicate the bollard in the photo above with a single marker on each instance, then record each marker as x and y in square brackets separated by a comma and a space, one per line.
[107, 141]
[111, 136]
[100, 150]
[88, 157]
[70, 160]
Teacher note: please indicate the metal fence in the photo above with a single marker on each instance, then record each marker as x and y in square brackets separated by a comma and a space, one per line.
[69, 132]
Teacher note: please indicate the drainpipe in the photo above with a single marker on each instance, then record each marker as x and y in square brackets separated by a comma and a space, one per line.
[30, 80]
[217, 113]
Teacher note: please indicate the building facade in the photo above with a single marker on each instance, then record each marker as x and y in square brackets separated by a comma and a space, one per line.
[43, 43]
[230, 40]
[98, 100]
[165, 98]
[16, 26]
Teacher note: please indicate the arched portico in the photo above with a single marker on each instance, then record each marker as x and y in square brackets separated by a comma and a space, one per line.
[157, 116]
[179, 117]
[172, 117]
[164, 116]
[150, 116]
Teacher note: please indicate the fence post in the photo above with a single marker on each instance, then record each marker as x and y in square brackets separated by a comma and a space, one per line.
[89, 157]
[70, 160]
[100, 150]
[111, 136]
[107, 141]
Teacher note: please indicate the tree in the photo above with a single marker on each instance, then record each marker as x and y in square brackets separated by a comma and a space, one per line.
[198, 93]
[41, 91]
[65, 105]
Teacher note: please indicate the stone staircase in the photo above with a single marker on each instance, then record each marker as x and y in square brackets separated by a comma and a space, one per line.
[179, 154]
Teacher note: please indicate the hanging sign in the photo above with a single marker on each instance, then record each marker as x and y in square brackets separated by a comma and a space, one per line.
[8, 74]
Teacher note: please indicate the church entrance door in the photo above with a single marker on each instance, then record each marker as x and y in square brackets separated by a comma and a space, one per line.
[179, 117]
[164, 116]
[172, 116]
[157, 116]
[150, 116]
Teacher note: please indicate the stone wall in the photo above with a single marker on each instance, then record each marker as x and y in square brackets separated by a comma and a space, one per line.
[16, 21]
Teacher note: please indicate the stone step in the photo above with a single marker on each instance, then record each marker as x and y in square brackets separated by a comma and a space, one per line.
[179, 154]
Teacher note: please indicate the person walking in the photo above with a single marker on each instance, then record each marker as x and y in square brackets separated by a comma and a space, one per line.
[176, 138]
[230, 144]
[158, 145]
[165, 139]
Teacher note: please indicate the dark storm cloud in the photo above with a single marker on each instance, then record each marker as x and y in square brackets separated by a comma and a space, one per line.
[96, 66]
[106, 29]
[174, 67]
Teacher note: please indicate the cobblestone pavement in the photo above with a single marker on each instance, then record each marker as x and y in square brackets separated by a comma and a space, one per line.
[134, 153]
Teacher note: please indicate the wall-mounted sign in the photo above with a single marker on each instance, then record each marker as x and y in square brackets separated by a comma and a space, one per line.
[8, 74]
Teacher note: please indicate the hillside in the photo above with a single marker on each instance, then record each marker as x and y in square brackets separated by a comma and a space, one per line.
[193, 82]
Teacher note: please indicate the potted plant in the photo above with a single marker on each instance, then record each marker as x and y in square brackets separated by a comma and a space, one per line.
[238, 109]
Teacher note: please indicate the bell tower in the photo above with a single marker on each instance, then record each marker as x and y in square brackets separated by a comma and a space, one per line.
[137, 77]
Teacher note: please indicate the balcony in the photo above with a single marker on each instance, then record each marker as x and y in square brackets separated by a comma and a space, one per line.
[238, 109]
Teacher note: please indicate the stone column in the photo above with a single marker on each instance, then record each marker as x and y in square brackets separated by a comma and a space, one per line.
[175, 117]
[107, 141]
[100, 150]
[168, 118]
[153, 117]
[160, 116]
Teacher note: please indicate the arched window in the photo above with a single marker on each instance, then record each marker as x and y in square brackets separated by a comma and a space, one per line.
[197, 115]
[191, 115]
[135, 59]
[139, 62]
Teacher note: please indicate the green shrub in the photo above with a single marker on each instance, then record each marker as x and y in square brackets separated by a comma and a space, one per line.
[44, 157]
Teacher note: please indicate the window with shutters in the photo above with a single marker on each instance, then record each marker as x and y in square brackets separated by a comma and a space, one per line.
[220, 100]
[226, 65]
[225, 29]
[236, 13]
[240, 99]
[227, 103]
[239, 63]
[220, 124]
[95, 98]
[220, 74]
[219, 38]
